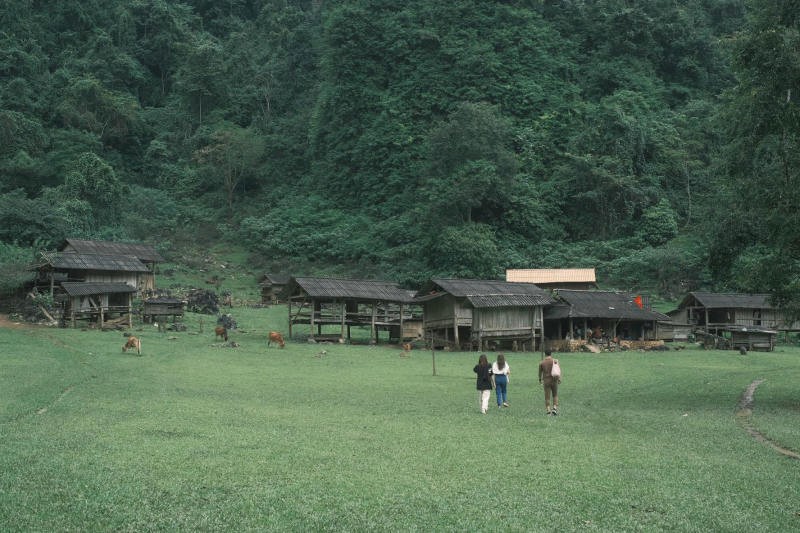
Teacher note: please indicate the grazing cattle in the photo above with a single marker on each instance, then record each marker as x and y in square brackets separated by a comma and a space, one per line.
[133, 343]
[221, 331]
[274, 336]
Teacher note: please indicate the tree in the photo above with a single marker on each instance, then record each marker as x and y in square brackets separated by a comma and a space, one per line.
[93, 180]
[232, 153]
[762, 155]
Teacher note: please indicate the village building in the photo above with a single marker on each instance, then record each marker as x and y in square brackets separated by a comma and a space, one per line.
[93, 280]
[601, 317]
[273, 288]
[555, 278]
[331, 307]
[477, 314]
[100, 301]
[713, 312]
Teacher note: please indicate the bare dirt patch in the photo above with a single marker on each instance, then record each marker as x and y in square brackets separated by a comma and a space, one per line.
[744, 415]
[6, 322]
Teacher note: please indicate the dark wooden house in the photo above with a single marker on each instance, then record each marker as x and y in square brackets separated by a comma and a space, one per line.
[74, 275]
[330, 307]
[145, 253]
[97, 302]
[603, 315]
[712, 312]
[273, 288]
[475, 314]
[555, 278]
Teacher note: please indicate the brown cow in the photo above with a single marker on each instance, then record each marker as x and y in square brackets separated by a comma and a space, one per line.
[221, 331]
[274, 336]
[132, 343]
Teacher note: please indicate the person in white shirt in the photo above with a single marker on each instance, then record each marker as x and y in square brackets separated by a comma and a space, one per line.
[500, 373]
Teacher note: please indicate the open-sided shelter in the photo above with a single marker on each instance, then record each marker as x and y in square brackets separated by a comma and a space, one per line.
[712, 312]
[581, 314]
[339, 304]
[462, 313]
[554, 278]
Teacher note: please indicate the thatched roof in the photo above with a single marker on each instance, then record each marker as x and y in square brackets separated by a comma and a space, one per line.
[599, 304]
[487, 293]
[81, 288]
[349, 289]
[711, 300]
[76, 261]
[143, 252]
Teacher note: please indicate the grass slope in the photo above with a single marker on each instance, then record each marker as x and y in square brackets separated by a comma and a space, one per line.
[195, 436]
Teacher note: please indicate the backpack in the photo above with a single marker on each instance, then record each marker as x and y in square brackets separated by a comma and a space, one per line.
[556, 370]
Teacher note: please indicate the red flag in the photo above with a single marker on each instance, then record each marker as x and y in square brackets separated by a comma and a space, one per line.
[638, 301]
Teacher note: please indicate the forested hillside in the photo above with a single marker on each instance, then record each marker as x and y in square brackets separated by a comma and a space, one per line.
[656, 141]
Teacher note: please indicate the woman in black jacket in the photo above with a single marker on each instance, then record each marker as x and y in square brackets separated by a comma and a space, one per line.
[484, 383]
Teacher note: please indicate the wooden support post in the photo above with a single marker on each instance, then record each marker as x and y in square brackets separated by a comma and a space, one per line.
[344, 317]
[311, 320]
[289, 305]
[402, 331]
[130, 311]
[374, 330]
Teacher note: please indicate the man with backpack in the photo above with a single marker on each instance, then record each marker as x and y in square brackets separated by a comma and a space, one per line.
[550, 376]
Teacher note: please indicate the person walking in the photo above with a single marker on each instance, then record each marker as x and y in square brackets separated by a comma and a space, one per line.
[500, 373]
[484, 382]
[550, 382]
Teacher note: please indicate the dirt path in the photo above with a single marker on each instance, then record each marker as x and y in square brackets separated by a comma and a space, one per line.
[5, 322]
[744, 415]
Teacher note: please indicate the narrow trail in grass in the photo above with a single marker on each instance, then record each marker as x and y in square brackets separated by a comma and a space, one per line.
[744, 415]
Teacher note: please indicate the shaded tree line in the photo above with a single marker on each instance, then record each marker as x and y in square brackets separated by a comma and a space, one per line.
[412, 140]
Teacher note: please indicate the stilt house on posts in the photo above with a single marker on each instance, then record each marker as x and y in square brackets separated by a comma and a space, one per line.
[330, 307]
[94, 280]
[555, 278]
[712, 312]
[734, 320]
[579, 317]
[479, 314]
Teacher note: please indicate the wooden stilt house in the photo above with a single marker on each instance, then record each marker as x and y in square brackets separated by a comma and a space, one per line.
[713, 312]
[98, 302]
[478, 314]
[330, 307]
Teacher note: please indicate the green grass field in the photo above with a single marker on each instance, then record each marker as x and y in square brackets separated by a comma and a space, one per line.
[193, 436]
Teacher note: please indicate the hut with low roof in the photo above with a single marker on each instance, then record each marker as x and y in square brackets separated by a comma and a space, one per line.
[579, 316]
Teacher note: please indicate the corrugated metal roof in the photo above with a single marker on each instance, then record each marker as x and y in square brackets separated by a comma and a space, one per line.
[79, 288]
[551, 275]
[76, 261]
[599, 304]
[712, 300]
[490, 293]
[144, 252]
[351, 289]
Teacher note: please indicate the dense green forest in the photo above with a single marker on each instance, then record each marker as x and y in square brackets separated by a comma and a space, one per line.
[656, 141]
